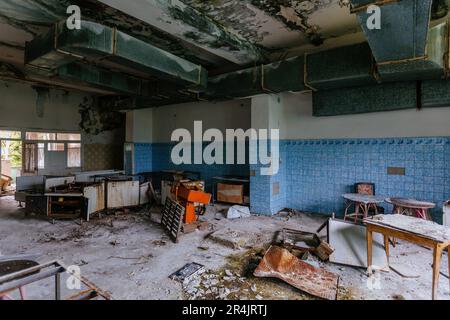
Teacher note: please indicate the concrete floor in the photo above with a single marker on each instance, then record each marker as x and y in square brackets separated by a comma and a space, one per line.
[131, 257]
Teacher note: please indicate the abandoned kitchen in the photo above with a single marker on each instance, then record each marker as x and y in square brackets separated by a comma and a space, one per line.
[224, 150]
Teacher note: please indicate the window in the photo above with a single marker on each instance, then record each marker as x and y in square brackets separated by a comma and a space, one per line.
[41, 155]
[74, 155]
[69, 137]
[58, 147]
[40, 136]
[30, 158]
[6, 134]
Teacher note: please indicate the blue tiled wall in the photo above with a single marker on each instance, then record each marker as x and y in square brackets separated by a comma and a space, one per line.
[143, 154]
[262, 197]
[157, 157]
[318, 172]
[315, 173]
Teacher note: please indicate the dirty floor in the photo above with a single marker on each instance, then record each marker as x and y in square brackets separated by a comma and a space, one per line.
[130, 256]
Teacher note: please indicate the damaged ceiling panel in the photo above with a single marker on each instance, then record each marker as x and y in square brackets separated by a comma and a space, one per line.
[192, 26]
[150, 53]
[281, 24]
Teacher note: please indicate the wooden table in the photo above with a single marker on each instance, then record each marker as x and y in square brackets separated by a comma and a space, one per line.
[418, 231]
[411, 207]
[363, 204]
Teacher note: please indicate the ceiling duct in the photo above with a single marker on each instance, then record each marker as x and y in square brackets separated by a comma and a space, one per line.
[112, 49]
[403, 47]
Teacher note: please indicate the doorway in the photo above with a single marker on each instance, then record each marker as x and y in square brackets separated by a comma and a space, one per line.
[11, 160]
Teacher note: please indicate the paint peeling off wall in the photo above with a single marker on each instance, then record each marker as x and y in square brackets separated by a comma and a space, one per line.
[96, 118]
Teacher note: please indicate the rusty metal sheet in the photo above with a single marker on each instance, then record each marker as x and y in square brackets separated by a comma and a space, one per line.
[281, 264]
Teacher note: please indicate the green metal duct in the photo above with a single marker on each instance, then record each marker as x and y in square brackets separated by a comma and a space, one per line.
[104, 45]
[381, 97]
[432, 66]
[400, 45]
[100, 78]
[342, 67]
[436, 93]
[403, 32]
[287, 75]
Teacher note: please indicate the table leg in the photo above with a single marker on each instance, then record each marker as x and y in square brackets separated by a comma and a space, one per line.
[365, 208]
[437, 254]
[58, 286]
[386, 247]
[369, 250]
[356, 211]
[23, 294]
[348, 206]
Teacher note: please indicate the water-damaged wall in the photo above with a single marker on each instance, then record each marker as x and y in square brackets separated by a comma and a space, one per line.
[25, 107]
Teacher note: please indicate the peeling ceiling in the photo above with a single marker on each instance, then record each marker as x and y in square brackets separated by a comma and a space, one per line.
[220, 35]
[217, 34]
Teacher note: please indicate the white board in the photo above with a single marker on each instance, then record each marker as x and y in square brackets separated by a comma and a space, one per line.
[350, 243]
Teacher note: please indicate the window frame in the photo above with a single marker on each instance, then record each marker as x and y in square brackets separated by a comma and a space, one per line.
[47, 142]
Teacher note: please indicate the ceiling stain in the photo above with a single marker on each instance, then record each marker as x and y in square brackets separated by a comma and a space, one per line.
[295, 14]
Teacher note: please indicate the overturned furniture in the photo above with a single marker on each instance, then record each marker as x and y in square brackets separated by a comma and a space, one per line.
[192, 197]
[280, 263]
[9, 282]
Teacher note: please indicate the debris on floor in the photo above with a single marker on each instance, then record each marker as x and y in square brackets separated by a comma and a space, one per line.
[188, 272]
[404, 271]
[197, 225]
[280, 263]
[306, 242]
[236, 212]
[236, 239]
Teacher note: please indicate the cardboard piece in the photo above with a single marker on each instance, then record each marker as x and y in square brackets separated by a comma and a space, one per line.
[230, 193]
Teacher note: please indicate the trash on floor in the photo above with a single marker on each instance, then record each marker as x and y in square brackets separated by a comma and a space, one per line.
[280, 263]
[197, 225]
[306, 242]
[350, 243]
[303, 241]
[236, 212]
[188, 272]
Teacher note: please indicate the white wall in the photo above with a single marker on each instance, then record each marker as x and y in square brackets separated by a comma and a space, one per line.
[156, 125]
[297, 122]
[60, 112]
[139, 126]
[18, 108]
